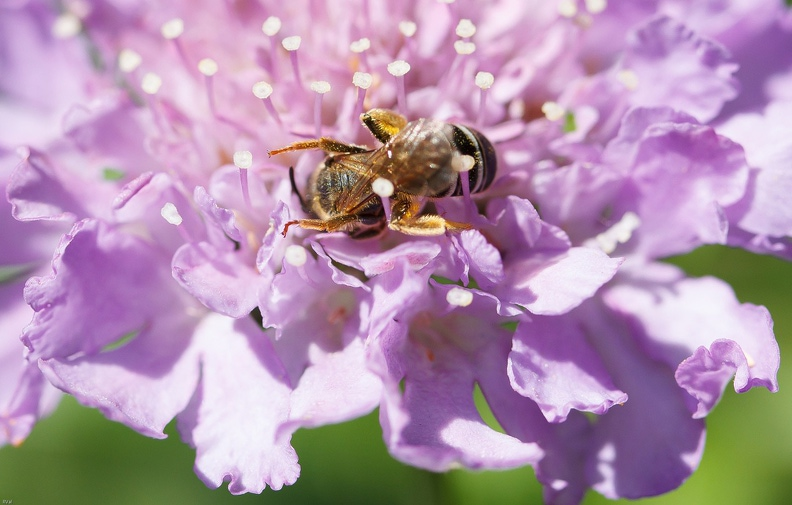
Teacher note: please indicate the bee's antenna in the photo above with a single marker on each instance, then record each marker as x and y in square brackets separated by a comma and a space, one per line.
[295, 190]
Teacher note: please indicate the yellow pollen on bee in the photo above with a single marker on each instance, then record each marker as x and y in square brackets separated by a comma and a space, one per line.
[295, 255]
[262, 89]
[465, 28]
[628, 78]
[243, 159]
[128, 60]
[382, 187]
[459, 297]
[171, 214]
[320, 87]
[408, 28]
[66, 26]
[207, 67]
[553, 111]
[398, 68]
[151, 83]
[271, 26]
[172, 29]
[292, 43]
[567, 8]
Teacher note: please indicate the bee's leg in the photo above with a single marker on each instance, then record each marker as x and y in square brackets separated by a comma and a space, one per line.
[383, 123]
[325, 144]
[330, 225]
[404, 219]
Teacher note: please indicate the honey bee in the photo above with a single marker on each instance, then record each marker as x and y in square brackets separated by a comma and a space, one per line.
[422, 159]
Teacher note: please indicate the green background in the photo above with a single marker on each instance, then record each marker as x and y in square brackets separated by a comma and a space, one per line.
[76, 456]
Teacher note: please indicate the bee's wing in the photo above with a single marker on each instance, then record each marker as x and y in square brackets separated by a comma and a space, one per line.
[355, 196]
[418, 159]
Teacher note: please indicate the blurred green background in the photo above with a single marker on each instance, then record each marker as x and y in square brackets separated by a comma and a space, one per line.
[76, 456]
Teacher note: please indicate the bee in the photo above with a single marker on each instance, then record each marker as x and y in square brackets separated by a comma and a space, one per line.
[422, 159]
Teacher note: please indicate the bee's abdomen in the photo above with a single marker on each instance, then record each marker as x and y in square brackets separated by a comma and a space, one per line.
[472, 143]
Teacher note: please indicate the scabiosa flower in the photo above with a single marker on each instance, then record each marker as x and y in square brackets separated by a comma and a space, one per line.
[176, 294]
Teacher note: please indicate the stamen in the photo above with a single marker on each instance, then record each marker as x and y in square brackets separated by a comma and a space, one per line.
[243, 160]
[749, 360]
[628, 78]
[271, 27]
[567, 8]
[208, 67]
[172, 30]
[596, 6]
[151, 83]
[465, 29]
[398, 69]
[463, 47]
[292, 44]
[384, 189]
[459, 297]
[320, 88]
[295, 255]
[362, 81]
[619, 233]
[360, 47]
[171, 214]
[407, 28]
[66, 26]
[128, 60]
[463, 163]
[263, 90]
[484, 80]
[553, 111]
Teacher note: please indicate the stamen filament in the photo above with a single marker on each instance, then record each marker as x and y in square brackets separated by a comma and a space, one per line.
[263, 90]
[484, 81]
[292, 44]
[243, 160]
[320, 88]
[398, 69]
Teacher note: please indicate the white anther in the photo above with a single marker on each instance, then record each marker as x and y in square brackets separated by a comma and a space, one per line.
[619, 233]
[262, 89]
[749, 360]
[628, 78]
[320, 87]
[484, 80]
[553, 111]
[292, 43]
[398, 68]
[463, 162]
[596, 6]
[382, 187]
[362, 80]
[151, 83]
[465, 28]
[567, 8]
[243, 159]
[464, 47]
[360, 45]
[207, 67]
[271, 26]
[445, 1]
[66, 26]
[171, 214]
[408, 28]
[459, 297]
[295, 255]
[128, 60]
[172, 29]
